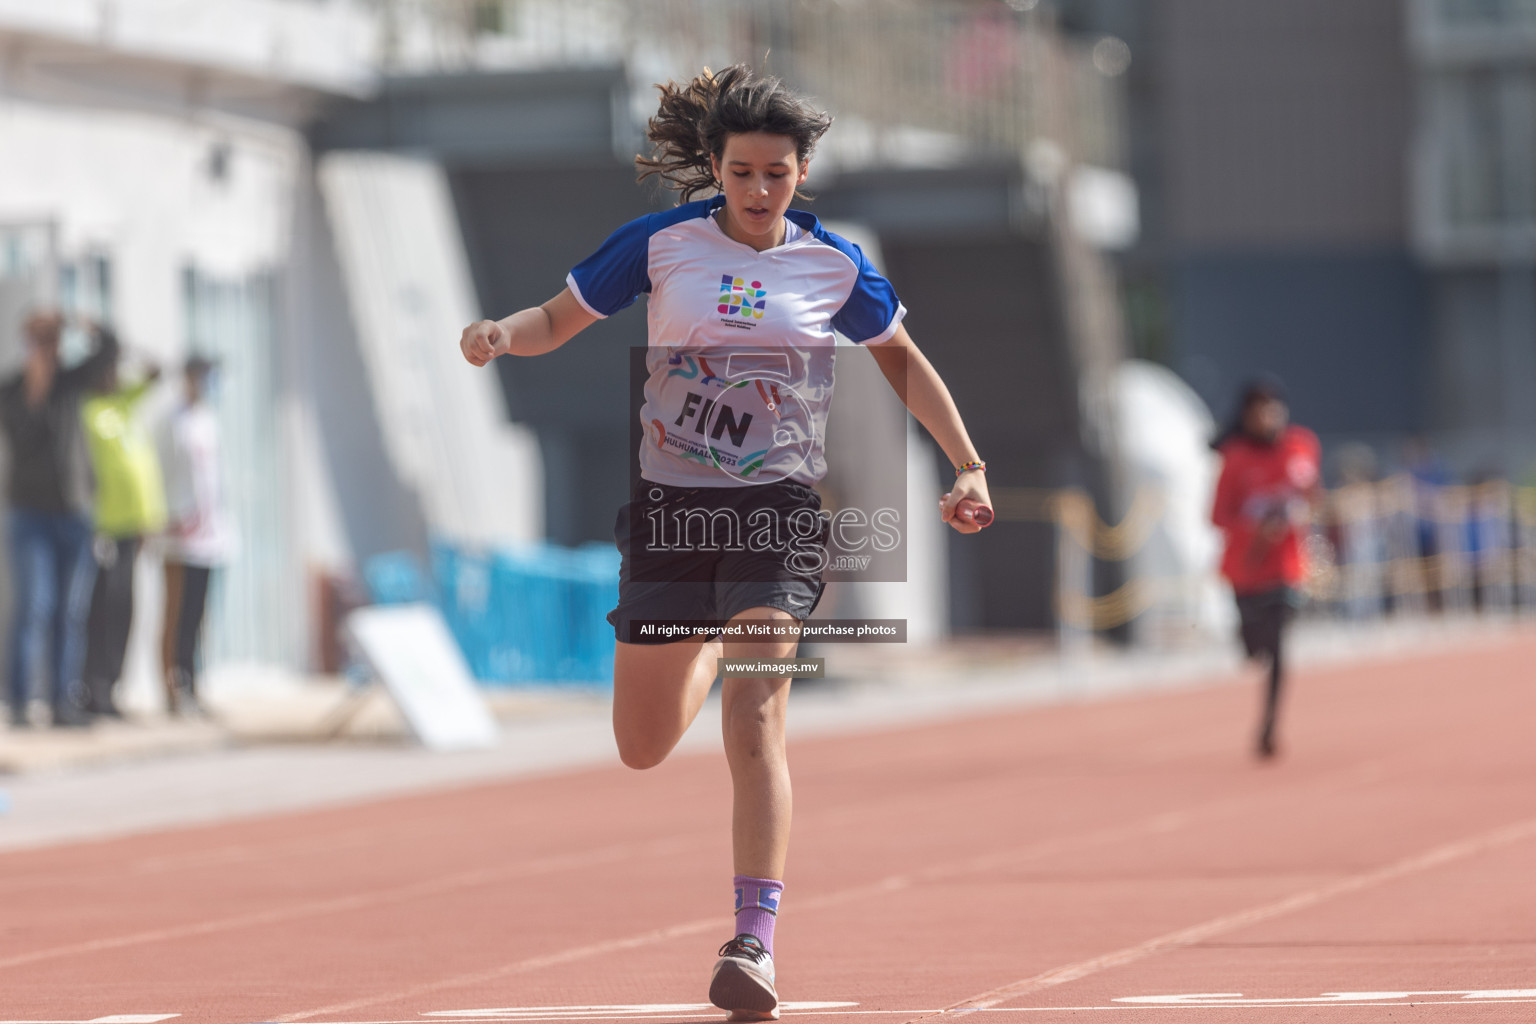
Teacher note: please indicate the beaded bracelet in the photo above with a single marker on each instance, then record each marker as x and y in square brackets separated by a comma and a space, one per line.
[966, 467]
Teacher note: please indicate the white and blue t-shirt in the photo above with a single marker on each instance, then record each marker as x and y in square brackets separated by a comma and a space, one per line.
[741, 342]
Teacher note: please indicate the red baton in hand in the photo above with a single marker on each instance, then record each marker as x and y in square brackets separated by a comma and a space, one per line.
[972, 511]
[975, 511]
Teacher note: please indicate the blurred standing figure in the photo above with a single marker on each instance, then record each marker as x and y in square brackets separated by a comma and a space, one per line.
[1431, 478]
[1359, 537]
[1269, 482]
[198, 537]
[130, 504]
[50, 490]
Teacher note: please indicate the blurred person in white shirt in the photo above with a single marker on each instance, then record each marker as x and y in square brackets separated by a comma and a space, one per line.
[198, 536]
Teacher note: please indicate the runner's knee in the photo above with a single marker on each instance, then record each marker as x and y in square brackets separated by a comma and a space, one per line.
[641, 752]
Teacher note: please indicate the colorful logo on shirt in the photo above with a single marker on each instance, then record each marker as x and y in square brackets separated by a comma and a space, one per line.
[740, 298]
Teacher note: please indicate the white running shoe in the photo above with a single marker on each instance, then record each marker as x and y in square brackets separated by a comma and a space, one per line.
[743, 981]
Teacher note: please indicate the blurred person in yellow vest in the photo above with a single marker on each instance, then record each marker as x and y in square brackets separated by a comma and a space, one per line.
[130, 505]
[200, 535]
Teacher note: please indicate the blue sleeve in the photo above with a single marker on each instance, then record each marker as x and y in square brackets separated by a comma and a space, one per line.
[872, 311]
[614, 276]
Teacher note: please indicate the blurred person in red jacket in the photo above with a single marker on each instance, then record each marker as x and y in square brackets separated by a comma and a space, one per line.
[1264, 497]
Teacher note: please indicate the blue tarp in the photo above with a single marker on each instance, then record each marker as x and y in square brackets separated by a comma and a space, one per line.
[531, 614]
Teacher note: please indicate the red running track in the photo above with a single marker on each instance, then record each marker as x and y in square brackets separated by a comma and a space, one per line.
[1030, 866]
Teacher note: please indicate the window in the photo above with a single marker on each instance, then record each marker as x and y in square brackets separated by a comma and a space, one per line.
[232, 320]
[1485, 13]
[1484, 131]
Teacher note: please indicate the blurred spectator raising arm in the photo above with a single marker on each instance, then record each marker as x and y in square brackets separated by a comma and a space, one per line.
[50, 489]
[130, 505]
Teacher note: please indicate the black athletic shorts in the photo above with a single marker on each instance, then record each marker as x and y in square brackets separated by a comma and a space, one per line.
[705, 554]
[1263, 616]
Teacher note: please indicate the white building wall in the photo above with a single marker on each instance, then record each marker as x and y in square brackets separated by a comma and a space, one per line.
[158, 135]
[136, 190]
[322, 44]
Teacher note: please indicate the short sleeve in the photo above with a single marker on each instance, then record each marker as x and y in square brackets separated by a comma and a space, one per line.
[1304, 468]
[614, 276]
[872, 311]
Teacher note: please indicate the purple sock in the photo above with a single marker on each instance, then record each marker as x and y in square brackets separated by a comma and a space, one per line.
[757, 907]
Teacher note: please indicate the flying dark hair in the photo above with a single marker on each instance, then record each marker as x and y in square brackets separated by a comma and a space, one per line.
[694, 120]
[1264, 388]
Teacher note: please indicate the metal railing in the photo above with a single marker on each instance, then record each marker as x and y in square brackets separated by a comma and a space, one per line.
[936, 78]
[1403, 546]
[1395, 548]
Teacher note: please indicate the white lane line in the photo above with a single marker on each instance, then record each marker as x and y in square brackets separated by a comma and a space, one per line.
[1214, 1006]
[1155, 824]
[357, 901]
[1123, 1008]
[612, 1010]
[1238, 999]
[484, 876]
[713, 1014]
[516, 967]
[116, 1018]
[1160, 823]
[1184, 937]
[1163, 822]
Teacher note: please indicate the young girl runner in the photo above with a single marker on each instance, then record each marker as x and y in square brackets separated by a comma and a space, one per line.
[745, 296]
[1269, 483]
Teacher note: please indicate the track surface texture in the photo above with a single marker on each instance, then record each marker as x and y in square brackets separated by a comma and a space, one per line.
[1121, 861]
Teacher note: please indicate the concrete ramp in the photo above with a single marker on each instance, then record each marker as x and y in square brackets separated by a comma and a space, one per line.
[408, 286]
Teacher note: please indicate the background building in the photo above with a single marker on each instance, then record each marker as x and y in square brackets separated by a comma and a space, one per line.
[1474, 222]
[321, 194]
[976, 146]
[1340, 194]
[154, 173]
